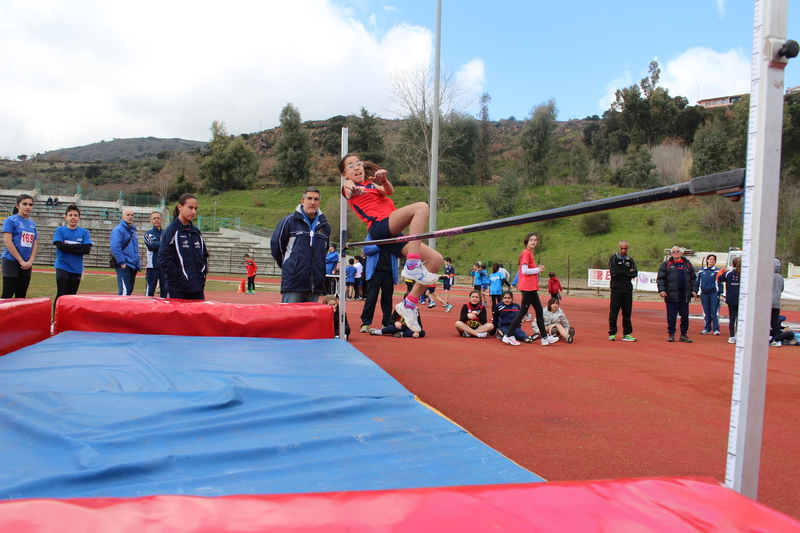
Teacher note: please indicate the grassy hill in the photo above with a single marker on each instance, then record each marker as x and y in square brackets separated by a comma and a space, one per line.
[139, 148]
[563, 244]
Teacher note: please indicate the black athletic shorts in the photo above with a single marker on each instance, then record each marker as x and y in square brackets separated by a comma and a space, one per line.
[380, 230]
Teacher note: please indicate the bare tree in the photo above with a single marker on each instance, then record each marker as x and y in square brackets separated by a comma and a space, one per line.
[673, 162]
[412, 95]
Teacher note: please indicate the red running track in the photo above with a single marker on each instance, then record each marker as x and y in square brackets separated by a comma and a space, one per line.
[595, 409]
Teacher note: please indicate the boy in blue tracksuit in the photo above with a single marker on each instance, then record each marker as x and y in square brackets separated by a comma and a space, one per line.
[709, 289]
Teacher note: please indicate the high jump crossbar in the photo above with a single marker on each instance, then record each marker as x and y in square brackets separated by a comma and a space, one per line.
[723, 183]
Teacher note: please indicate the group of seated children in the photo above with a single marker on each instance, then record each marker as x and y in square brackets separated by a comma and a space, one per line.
[474, 323]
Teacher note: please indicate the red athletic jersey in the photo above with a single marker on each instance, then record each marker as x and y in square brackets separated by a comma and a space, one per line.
[527, 282]
[251, 268]
[372, 205]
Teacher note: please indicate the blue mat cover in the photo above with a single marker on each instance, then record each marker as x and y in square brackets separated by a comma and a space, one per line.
[119, 415]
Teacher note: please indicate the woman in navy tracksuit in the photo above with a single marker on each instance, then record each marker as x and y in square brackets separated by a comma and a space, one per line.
[183, 254]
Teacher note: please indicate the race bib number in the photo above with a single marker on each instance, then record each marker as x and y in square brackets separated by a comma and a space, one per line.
[27, 238]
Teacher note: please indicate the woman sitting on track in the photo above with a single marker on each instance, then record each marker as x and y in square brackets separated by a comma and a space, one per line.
[473, 318]
[555, 321]
[503, 314]
[368, 198]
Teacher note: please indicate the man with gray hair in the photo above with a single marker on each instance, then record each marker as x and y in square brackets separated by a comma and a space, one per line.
[676, 277]
[623, 272]
[125, 248]
[299, 246]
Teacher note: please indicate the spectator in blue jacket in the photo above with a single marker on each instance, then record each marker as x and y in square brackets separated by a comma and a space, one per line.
[153, 274]
[381, 272]
[183, 255]
[125, 247]
[709, 289]
[299, 247]
[331, 260]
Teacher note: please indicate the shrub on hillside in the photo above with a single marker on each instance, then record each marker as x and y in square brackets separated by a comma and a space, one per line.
[503, 201]
[595, 224]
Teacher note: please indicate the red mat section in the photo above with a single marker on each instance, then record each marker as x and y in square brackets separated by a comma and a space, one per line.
[154, 316]
[24, 322]
[653, 505]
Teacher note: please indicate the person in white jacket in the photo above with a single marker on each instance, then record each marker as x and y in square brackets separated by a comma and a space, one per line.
[555, 321]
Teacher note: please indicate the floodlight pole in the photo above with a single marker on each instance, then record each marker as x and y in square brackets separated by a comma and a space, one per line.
[762, 180]
[342, 241]
[433, 199]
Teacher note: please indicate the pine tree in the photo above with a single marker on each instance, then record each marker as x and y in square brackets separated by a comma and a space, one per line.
[293, 149]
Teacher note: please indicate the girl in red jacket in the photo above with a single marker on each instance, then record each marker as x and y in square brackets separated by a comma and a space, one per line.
[252, 268]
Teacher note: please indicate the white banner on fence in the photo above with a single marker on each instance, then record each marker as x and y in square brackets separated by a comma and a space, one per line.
[602, 278]
[647, 282]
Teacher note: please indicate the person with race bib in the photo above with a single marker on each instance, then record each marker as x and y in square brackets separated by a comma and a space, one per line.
[19, 238]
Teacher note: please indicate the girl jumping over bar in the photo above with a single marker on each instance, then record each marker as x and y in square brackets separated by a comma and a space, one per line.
[368, 198]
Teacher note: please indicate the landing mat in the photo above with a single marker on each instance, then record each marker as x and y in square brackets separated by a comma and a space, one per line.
[86, 414]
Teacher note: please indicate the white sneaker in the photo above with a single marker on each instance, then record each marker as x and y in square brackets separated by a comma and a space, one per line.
[374, 331]
[409, 315]
[731, 340]
[527, 318]
[546, 341]
[716, 333]
[420, 274]
[774, 343]
[482, 335]
[431, 305]
[510, 340]
[552, 339]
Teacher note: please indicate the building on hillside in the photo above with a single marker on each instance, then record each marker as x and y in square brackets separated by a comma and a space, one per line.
[720, 101]
[792, 90]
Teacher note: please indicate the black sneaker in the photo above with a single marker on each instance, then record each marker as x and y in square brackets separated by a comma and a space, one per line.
[684, 338]
[671, 338]
[570, 335]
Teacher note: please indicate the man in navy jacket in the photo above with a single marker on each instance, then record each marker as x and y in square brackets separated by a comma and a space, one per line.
[153, 274]
[299, 246]
[676, 278]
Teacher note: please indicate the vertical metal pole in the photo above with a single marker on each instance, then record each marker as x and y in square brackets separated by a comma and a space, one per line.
[760, 222]
[342, 241]
[433, 199]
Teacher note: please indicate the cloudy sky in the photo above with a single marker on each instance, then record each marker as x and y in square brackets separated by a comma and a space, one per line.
[79, 72]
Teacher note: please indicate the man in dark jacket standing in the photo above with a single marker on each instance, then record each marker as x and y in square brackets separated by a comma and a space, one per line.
[676, 277]
[623, 272]
[299, 246]
[152, 273]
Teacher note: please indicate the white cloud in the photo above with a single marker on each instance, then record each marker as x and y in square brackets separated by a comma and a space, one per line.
[472, 76]
[624, 80]
[80, 72]
[701, 73]
[721, 8]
